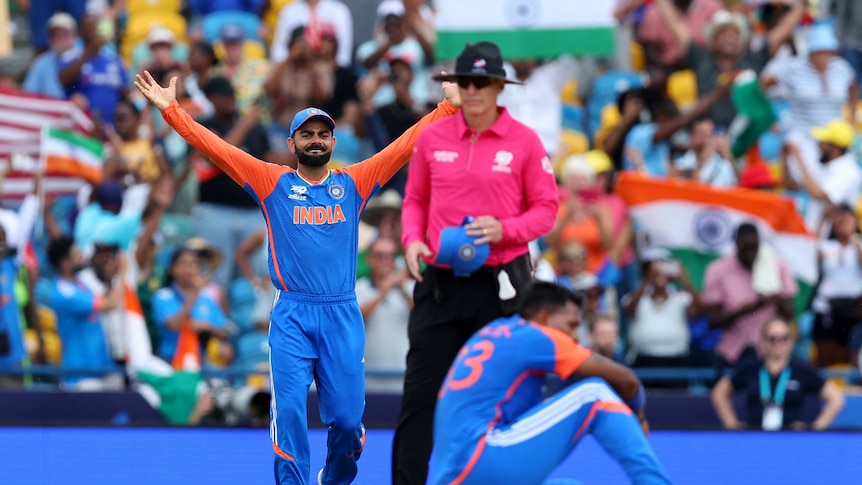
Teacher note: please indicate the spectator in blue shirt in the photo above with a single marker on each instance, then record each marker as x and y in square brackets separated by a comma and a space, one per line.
[43, 77]
[182, 301]
[95, 72]
[78, 322]
[11, 340]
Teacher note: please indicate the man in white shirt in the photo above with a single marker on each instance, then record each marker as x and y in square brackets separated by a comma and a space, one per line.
[839, 180]
[709, 159]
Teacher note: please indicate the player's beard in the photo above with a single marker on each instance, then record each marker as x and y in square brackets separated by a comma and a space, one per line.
[313, 160]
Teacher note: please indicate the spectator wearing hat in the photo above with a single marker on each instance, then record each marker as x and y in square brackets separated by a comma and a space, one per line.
[582, 216]
[246, 75]
[226, 214]
[381, 219]
[837, 329]
[708, 159]
[817, 88]
[659, 312]
[313, 14]
[839, 178]
[41, 13]
[161, 42]
[43, 77]
[104, 220]
[726, 49]
[479, 163]
[94, 72]
[660, 46]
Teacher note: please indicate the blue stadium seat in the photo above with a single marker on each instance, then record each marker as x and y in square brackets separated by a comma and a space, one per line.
[215, 22]
[242, 298]
[606, 88]
[252, 349]
[573, 117]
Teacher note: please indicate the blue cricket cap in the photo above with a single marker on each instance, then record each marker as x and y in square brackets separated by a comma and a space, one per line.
[308, 114]
[459, 250]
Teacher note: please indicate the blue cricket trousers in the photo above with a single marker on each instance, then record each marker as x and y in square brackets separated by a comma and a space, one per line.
[527, 451]
[320, 338]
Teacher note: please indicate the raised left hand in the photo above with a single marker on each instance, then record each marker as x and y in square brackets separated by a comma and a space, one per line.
[450, 90]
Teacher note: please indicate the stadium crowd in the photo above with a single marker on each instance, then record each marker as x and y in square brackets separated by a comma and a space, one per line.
[159, 270]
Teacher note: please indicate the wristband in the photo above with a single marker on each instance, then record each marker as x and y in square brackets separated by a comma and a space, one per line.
[638, 402]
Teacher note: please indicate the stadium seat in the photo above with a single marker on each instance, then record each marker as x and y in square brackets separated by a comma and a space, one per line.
[242, 298]
[606, 89]
[51, 341]
[270, 16]
[134, 7]
[216, 21]
[139, 27]
[47, 318]
[176, 229]
[682, 89]
[573, 117]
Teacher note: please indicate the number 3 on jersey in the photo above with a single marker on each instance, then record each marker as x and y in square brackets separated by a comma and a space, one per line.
[473, 358]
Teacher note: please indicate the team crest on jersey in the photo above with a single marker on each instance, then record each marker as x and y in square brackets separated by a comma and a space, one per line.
[336, 191]
[502, 162]
[298, 192]
[445, 156]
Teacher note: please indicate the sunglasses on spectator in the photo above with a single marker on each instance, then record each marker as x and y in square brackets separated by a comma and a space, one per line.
[478, 81]
[777, 339]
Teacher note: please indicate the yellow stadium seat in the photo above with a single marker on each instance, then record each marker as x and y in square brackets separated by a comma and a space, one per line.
[47, 318]
[569, 94]
[609, 118]
[137, 6]
[859, 208]
[139, 27]
[52, 342]
[251, 49]
[572, 142]
[682, 89]
[777, 174]
[638, 56]
[270, 16]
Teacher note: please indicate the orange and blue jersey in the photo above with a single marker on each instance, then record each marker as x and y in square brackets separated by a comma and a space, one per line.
[497, 376]
[493, 426]
[309, 222]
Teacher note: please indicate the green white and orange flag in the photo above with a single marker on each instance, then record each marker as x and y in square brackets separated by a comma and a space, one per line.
[526, 28]
[66, 153]
[697, 223]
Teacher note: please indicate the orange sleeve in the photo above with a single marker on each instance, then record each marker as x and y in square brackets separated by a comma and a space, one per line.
[237, 164]
[569, 354]
[381, 167]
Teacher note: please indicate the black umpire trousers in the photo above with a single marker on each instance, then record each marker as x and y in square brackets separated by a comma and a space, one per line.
[447, 311]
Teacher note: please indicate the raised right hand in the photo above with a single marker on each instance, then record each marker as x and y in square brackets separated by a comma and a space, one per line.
[416, 250]
[158, 96]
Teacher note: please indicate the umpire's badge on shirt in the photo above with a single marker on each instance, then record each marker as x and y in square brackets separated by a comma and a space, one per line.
[502, 160]
[336, 191]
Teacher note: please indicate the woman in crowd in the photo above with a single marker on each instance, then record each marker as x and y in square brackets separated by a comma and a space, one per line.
[776, 387]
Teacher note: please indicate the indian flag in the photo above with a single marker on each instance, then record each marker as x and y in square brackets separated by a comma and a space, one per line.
[71, 154]
[697, 223]
[527, 28]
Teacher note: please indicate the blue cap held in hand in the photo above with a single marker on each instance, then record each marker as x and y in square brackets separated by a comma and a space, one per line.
[459, 250]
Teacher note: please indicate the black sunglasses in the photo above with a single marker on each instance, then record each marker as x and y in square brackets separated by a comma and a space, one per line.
[478, 81]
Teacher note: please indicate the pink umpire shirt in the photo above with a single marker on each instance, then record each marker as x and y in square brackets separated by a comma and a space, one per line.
[729, 283]
[502, 172]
